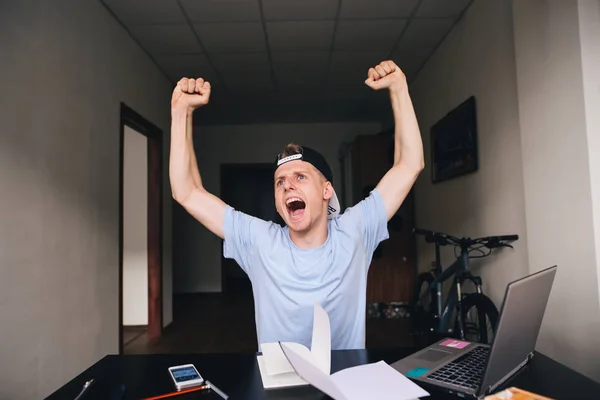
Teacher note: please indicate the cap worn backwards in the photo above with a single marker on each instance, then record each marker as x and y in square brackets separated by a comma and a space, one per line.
[318, 161]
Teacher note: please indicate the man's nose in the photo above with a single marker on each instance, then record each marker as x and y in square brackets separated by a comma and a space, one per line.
[287, 185]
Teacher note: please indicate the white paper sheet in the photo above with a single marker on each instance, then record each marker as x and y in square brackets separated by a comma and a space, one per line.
[320, 353]
[321, 339]
[275, 381]
[275, 361]
[312, 374]
[371, 381]
[376, 381]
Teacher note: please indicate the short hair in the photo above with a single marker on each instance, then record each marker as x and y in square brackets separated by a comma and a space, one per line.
[290, 149]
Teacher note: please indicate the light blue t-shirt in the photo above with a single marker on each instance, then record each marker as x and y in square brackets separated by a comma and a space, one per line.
[287, 280]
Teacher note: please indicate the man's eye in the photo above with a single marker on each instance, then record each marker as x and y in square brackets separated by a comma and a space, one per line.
[279, 183]
[301, 176]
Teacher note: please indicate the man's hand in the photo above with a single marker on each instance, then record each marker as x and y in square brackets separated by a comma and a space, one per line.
[186, 183]
[190, 93]
[386, 75]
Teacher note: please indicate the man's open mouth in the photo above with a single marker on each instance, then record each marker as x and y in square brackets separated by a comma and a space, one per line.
[295, 207]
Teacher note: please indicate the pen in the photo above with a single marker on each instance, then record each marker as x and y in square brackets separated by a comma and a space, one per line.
[194, 389]
[86, 385]
[217, 390]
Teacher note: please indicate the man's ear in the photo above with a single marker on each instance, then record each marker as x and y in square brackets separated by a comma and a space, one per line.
[327, 190]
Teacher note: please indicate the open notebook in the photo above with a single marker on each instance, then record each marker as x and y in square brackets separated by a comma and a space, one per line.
[286, 364]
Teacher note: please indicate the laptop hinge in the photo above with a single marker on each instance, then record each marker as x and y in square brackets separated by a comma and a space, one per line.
[491, 388]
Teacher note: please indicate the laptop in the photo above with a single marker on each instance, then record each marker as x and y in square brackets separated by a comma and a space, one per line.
[475, 370]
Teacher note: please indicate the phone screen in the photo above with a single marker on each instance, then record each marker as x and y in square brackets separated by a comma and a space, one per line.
[184, 374]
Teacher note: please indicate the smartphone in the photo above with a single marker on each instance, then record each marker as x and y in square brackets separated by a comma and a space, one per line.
[185, 376]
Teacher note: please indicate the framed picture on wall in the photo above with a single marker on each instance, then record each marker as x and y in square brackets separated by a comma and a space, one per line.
[454, 143]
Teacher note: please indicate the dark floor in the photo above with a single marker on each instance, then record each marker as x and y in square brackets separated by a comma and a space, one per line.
[224, 323]
[131, 333]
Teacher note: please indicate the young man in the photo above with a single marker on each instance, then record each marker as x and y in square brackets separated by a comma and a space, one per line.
[319, 255]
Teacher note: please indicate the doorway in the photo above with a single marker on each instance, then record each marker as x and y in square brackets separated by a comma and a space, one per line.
[140, 229]
[248, 188]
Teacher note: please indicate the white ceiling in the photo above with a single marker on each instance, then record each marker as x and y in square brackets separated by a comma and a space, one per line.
[279, 60]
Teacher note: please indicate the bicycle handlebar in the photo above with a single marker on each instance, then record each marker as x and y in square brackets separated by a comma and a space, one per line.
[444, 239]
[419, 231]
[432, 237]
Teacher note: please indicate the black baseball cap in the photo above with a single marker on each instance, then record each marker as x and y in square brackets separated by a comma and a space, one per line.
[317, 160]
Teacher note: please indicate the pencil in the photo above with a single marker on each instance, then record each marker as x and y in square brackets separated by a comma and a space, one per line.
[164, 396]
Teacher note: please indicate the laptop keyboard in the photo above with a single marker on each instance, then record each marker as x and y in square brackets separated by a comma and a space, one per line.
[466, 371]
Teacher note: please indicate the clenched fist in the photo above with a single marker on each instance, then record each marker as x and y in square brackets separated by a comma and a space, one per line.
[386, 75]
[190, 93]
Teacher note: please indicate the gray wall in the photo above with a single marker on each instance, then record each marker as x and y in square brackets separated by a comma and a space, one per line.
[66, 66]
[476, 58]
[533, 68]
[560, 169]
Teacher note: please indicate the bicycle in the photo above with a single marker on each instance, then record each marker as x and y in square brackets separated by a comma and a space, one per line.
[436, 318]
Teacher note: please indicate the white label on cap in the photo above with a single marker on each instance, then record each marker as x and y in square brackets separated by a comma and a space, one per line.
[289, 158]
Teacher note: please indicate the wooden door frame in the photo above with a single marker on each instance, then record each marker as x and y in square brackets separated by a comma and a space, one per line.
[155, 225]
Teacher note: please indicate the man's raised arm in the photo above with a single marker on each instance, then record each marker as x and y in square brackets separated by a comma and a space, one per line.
[186, 184]
[408, 146]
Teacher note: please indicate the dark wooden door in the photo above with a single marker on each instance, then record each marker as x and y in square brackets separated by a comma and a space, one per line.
[247, 188]
[392, 271]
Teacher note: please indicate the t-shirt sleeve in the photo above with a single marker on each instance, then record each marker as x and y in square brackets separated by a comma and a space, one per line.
[241, 232]
[375, 220]
[368, 214]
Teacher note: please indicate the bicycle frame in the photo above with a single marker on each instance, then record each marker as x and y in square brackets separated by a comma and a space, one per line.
[459, 271]
[443, 312]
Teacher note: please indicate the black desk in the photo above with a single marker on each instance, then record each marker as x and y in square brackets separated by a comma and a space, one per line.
[238, 376]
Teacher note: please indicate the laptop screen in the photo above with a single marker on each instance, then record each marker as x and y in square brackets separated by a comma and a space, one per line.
[519, 325]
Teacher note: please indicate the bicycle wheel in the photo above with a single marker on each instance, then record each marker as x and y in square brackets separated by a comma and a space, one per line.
[422, 310]
[480, 318]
